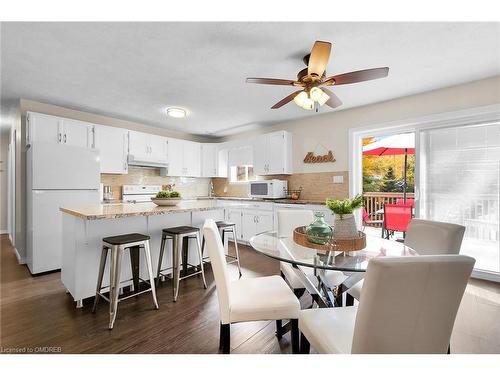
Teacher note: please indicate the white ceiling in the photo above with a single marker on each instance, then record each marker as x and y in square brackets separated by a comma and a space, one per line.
[133, 71]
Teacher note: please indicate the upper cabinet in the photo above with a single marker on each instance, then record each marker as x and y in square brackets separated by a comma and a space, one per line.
[184, 158]
[209, 163]
[273, 154]
[57, 130]
[147, 149]
[112, 144]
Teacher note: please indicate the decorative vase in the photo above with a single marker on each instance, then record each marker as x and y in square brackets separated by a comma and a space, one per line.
[345, 226]
[319, 232]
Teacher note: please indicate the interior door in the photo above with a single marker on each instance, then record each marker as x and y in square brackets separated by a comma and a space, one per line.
[459, 183]
[76, 133]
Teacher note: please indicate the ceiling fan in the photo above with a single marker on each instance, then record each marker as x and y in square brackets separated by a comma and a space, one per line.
[311, 96]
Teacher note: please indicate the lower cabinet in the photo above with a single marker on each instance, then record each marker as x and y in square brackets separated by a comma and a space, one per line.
[250, 222]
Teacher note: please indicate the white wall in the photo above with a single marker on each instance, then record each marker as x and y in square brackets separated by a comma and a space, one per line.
[330, 130]
[4, 147]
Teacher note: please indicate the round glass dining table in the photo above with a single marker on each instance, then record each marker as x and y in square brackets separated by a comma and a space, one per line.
[353, 263]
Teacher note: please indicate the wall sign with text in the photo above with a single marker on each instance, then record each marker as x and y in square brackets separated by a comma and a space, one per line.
[326, 158]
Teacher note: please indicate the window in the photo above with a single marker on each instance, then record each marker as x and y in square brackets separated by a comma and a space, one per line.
[241, 173]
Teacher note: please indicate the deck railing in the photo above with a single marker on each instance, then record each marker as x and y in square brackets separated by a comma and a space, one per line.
[374, 201]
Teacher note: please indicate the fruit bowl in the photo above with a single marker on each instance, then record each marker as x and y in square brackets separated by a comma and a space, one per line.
[166, 201]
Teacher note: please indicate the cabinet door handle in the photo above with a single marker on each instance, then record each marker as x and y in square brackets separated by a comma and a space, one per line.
[65, 138]
[59, 137]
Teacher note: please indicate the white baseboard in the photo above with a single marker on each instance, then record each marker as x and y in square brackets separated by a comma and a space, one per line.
[484, 275]
[20, 259]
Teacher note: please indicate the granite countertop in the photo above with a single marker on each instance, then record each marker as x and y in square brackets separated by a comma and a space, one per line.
[119, 210]
[281, 200]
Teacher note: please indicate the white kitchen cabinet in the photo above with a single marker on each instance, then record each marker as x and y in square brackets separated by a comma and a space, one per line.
[184, 158]
[273, 153]
[57, 130]
[112, 144]
[76, 133]
[209, 162]
[147, 149]
[254, 222]
[222, 158]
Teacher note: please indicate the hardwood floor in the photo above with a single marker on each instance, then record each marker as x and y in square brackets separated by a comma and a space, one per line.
[36, 312]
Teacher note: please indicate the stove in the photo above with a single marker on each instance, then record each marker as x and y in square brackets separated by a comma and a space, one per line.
[139, 193]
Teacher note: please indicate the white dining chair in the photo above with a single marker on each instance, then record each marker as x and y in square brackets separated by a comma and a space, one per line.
[288, 220]
[426, 237]
[409, 306]
[244, 300]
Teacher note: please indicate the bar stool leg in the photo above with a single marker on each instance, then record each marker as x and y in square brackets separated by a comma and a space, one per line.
[233, 230]
[200, 255]
[176, 253]
[115, 273]
[160, 259]
[102, 266]
[147, 253]
[134, 262]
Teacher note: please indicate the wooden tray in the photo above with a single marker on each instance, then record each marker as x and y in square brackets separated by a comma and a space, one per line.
[335, 244]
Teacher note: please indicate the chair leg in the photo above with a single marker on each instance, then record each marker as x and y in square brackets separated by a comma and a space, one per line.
[299, 292]
[236, 249]
[160, 259]
[279, 329]
[102, 266]
[134, 263]
[200, 255]
[305, 347]
[349, 300]
[225, 338]
[116, 260]
[295, 336]
[176, 270]
[149, 264]
[449, 351]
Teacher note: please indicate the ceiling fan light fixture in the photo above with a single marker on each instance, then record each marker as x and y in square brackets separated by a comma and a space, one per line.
[300, 98]
[323, 98]
[176, 112]
[315, 94]
[308, 104]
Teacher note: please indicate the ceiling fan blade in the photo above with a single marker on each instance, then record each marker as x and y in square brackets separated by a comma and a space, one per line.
[358, 76]
[286, 100]
[274, 81]
[318, 60]
[334, 100]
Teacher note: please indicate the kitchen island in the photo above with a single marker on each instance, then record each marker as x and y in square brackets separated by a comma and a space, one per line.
[85, 227]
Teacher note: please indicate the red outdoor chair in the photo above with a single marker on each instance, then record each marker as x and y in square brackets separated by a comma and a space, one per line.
[409, 202]
[366, 219]
[396, 218]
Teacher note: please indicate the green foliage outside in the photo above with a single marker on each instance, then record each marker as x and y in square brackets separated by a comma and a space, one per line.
[385, 173]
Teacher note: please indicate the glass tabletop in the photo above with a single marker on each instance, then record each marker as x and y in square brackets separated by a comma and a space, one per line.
[286, 250]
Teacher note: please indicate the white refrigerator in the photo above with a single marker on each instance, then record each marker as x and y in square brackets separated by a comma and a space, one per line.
[57, 176]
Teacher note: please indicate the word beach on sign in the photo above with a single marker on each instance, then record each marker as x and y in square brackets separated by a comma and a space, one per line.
[327, 158]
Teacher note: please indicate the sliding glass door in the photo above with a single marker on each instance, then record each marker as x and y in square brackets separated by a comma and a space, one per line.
[459, 182]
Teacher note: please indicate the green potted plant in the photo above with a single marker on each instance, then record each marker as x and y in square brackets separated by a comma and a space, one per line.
[167, 198]
[345, 223]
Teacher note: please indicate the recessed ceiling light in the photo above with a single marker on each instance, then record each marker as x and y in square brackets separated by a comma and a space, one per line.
[176, 112]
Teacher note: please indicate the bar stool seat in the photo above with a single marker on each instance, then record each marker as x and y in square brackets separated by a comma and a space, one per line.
[226, 227]
[126, 239]
[180, 236]
[118, 244]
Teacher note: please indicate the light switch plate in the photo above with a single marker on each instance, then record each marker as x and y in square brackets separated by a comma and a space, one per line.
[338, 179]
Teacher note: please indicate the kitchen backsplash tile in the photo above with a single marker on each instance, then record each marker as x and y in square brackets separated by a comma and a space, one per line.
[187, 186]
[315, 186]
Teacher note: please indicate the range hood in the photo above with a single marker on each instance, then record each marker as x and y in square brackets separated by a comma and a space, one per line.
[146, 163]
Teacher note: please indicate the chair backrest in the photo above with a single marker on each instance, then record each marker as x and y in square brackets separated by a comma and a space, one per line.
[364, 215]
[409, 202]
[219, 267]
[409, 304]
[397, 217]
[434, 237]
[288, 220]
